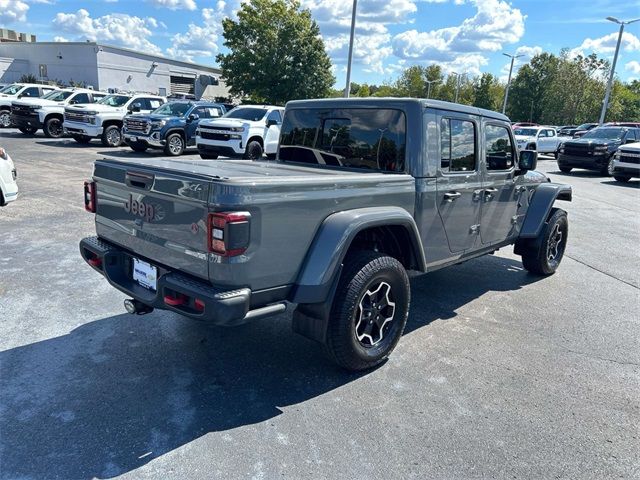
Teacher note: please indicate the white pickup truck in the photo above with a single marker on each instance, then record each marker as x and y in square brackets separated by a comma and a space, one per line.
[104, 119]
[540, 139]
[19, 90]
[47, 112]
[626, 162]
[247, 131]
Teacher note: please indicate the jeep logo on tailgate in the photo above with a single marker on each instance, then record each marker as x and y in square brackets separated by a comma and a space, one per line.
[143, 210]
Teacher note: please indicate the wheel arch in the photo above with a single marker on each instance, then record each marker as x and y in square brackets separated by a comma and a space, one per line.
[177, 130]
[108, 123]
[258, 139]
[540, 207]
[57, 115]
[389, 230]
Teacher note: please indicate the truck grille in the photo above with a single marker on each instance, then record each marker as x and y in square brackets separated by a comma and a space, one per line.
[21, 110]
[578, 150]
[76, 116]
[628, 157]
[214, 136]
[136, 125]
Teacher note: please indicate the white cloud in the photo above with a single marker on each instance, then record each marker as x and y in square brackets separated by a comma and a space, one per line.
[58, 38]
[633, 66]
[117, 29]
[13, 11]
[200, 40]
[607, 44]
[175, 4]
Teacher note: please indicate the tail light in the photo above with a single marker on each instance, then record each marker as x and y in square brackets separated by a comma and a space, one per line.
[228, 233]
[90, 196]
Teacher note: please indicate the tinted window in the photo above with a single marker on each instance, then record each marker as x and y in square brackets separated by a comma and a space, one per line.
[499, 148]
[551, 133]
[457, 145]
[115, 100]
[543, 133]
[176, 109]
[81, 98]
[275, 115]
[30, 92]
[526, 132]
[97, 96]
[56, 96]
[347, 137]
[605, 133]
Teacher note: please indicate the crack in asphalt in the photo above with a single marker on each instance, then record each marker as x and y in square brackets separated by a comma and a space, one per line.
[604, 359]
[602, 271]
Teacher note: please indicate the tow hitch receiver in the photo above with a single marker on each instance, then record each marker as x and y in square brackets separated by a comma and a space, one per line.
[136, 307]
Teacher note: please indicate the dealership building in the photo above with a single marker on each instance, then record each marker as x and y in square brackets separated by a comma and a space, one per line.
[104, 67]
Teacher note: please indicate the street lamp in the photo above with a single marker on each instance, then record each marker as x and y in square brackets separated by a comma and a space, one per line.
[353, 30]
[613, 66]
[506, 91]
[429, 86]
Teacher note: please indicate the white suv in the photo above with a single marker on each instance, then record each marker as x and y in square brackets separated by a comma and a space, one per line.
[8, 174]
[19, 90]
[47, 112]
[626, 162]
[247, 131]
[104, 119]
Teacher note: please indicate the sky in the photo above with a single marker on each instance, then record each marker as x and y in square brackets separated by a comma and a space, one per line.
[465, 36]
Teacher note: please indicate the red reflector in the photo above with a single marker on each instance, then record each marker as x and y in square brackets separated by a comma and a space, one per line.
[175, 301]
[90, 196]
[199, 305]
[95, 262]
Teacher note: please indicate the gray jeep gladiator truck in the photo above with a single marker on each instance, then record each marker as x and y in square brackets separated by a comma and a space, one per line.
[362, 191]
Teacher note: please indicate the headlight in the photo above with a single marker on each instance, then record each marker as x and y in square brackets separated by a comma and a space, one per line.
[36, 107]
[158, 123]
[91, 113]
[601, 148]
[617, 154]
[237, 129]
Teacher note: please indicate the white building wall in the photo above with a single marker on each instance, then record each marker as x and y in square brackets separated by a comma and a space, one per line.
[12, 69]
[64, 61]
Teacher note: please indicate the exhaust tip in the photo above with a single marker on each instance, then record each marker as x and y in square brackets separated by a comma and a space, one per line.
[129, 306]
[135, 307]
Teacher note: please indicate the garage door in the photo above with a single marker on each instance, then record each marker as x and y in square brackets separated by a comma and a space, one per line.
[182, 84]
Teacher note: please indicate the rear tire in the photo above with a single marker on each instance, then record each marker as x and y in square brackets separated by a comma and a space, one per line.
[112, 136]
[174, 145]
[253, 151]
[542, 255]
[565, 169]
[82, 139]
[620, 178]
[138, 147]
[362, 333]
[53, 128]
[607, 171]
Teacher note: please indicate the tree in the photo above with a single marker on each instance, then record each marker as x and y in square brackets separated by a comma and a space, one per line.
[275, 54]
[28, 78]
[484, 92]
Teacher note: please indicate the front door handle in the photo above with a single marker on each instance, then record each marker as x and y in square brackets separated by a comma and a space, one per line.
[451, 196]
[488, 193]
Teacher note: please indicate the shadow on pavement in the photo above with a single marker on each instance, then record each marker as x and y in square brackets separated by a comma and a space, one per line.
[629, 184]
[113, 394]
[578, 173]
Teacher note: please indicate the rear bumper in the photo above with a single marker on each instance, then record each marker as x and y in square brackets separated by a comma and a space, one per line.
[590, 162]
[217, 306]
[26, 121]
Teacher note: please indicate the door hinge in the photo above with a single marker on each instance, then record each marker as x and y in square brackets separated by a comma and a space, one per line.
[474, 229]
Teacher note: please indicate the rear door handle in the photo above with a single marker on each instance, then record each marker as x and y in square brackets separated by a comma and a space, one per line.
[451, 196]
[490, 190]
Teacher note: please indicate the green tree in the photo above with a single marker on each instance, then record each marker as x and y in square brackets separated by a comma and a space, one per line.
[484, 92]
[275, 54]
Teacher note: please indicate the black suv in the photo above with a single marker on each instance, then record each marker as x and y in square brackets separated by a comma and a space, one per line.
[595, 149]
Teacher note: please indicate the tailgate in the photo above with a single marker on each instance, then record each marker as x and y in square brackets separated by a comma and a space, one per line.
[158, 214]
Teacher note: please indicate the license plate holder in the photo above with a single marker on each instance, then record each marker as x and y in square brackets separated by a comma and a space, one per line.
[145, 274]
[132, 139]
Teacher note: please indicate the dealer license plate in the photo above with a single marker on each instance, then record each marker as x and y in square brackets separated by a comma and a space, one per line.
[145, 274]
[132, 139]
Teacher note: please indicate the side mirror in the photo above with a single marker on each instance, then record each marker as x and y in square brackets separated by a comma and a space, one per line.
[271, 123]
[193, 117]
[528, 160]
[136, 107]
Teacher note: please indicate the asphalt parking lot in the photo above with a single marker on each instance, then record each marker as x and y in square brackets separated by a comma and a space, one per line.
[500, 374]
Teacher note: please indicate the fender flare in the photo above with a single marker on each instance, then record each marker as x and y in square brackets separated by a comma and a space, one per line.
[322, 265]
[540, 206]
[176, 129]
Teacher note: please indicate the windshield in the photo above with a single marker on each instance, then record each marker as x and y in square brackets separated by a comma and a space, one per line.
[525, 132]
[115, 100]
[247, 113]
[56, 96]
[608, 133]
[175, 109]
[345, 137]
[584, 126]
[12, 89]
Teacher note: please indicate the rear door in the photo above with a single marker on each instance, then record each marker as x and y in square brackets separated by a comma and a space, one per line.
[160, 215]
[459, 179]
[499, 202]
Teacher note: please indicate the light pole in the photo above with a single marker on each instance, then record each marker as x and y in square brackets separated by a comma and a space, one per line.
[353, 30]
[605, 104]
[429, 86]
[506, 91]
